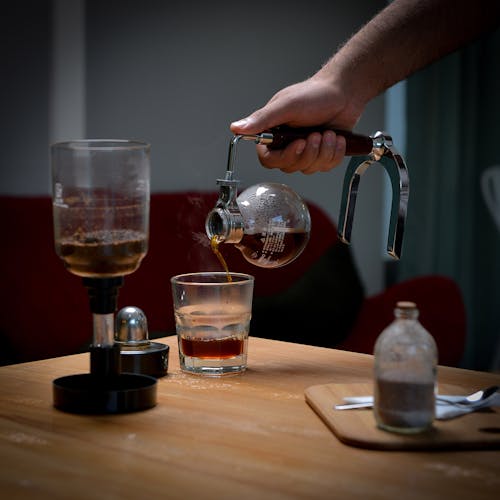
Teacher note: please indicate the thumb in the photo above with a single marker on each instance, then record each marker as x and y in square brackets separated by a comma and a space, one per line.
[249, 125]
[262, 119]
[245, 126]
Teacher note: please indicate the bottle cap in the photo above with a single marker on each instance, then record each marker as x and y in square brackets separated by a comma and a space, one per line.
[404, 304]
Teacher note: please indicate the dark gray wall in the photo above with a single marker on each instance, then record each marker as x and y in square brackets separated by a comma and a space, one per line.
[24, 90]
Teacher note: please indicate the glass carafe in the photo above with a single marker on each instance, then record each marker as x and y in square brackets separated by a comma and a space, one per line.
[271, 227]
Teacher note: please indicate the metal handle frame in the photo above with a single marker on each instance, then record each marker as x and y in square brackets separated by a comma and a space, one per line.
[384, 153]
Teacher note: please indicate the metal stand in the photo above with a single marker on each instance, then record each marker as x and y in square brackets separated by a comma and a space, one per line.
[105, 389]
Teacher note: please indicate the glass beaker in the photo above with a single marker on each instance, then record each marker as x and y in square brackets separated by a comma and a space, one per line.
[101, 205]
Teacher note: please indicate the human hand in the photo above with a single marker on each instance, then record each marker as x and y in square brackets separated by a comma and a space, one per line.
[314, 102]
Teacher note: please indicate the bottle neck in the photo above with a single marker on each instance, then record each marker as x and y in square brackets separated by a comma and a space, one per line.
[406, 310]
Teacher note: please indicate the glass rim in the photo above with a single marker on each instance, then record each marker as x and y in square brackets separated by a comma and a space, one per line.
[101, 144]
[181, 278]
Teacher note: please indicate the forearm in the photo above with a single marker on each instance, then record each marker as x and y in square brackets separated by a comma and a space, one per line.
[403, 38]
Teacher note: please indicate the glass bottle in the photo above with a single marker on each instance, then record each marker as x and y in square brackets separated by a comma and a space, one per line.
[405, 373]
[270, 225]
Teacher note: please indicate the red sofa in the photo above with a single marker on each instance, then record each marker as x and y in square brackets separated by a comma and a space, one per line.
[318, 299]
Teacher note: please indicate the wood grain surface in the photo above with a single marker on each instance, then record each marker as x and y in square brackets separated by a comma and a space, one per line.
[249, 436]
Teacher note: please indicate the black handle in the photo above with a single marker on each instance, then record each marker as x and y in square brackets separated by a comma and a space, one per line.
[356, 144]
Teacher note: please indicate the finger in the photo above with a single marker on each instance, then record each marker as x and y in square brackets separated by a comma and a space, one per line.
[308, 159]
[319, 153]
[278, 111]
[282, 158]
[331, 153]
[340, 148]
[326, 154]
[244, 126]
[301, 155]
[263, 119]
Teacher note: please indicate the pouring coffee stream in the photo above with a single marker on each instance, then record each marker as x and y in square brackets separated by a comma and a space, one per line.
[214, 244]
[269, 219]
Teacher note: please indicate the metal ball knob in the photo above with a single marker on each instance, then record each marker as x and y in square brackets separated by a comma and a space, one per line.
[131, 326]
[138, 354]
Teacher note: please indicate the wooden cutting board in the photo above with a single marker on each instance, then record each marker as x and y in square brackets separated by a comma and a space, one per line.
[479, 430]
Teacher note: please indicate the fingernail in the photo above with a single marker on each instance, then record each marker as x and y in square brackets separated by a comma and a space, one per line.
[300, 148]
[240, 123]
[328, 138]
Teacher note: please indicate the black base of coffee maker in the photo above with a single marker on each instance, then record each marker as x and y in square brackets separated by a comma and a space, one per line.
[97, 394]
[105, 389]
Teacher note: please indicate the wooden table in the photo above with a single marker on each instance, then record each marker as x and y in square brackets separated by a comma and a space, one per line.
[250, 436]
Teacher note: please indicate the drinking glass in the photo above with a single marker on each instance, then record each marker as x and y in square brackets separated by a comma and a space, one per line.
[212, 317]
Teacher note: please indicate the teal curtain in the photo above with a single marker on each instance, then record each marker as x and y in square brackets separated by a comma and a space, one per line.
[453, 128]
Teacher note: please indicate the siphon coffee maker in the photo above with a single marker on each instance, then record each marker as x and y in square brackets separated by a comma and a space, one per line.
[101, 224]
[234, 217]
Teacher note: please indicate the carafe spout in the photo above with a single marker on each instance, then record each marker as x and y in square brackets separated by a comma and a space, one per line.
[224, 221]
